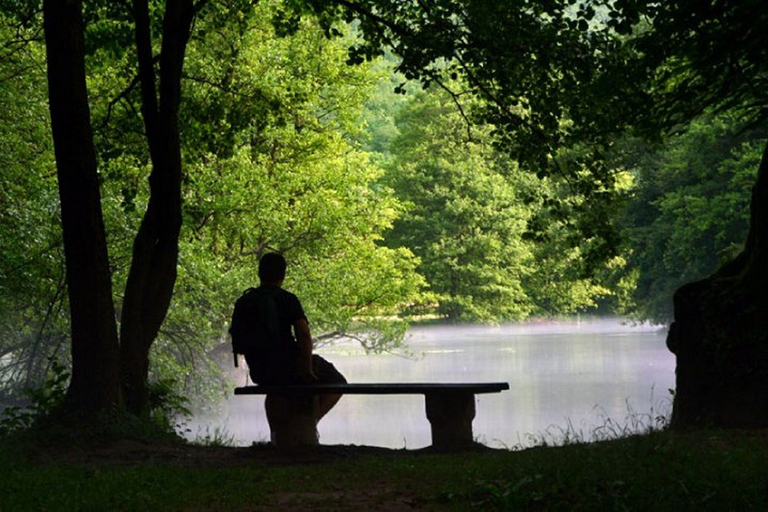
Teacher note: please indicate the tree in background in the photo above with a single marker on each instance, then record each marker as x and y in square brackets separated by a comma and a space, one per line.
[283, 169]
[689, 210]
[461, 217]
[470, 218]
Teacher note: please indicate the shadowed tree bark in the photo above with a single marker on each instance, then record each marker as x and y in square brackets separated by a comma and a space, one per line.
[94, 384]
[152, 274]
[99, 363]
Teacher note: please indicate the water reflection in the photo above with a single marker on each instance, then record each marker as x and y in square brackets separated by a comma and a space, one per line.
[559, 373]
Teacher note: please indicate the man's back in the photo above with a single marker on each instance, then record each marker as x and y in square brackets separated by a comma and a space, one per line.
[261, 330]
[293, 362]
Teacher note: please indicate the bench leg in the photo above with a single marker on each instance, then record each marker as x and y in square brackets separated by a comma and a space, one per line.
[292, 419]
[451, 413]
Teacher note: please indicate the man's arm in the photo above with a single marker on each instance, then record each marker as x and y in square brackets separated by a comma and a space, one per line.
[304, 339]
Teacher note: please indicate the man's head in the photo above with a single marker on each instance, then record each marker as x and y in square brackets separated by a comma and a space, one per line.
[272, 268]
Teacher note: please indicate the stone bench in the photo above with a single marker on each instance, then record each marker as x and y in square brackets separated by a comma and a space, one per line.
[450, 408]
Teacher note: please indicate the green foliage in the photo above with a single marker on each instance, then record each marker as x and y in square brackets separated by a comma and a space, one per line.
[383, 105]
[216, 438]
[490, 246]
[461, 218]
[692, 64]
[43, 402]
[552, 84]
[273, 160]
[43, 415]
[165, 403]
[280, 168]
[689, 211]
[568, 77]
[33, 316]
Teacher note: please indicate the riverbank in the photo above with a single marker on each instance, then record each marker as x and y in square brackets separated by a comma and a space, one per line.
[658, 471]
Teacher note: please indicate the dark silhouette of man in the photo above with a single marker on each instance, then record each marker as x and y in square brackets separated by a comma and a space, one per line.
[293, 362]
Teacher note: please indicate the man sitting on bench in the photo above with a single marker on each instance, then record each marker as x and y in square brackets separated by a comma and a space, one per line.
[270, 329]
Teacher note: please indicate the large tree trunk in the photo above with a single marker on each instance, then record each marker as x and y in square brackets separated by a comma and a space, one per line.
[94, 385]
[720, 334]
[155, 251]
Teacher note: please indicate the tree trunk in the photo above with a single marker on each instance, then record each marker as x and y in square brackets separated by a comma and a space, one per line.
[720, 334]
[152, 274]
[94, 384]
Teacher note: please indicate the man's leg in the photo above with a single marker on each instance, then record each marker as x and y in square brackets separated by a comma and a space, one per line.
[326, 404]
[326, 374]
[292, 419]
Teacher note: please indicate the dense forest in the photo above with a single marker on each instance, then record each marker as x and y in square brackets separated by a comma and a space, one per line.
[392, 185]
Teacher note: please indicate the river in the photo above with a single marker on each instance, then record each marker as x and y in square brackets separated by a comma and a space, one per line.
[578, 379]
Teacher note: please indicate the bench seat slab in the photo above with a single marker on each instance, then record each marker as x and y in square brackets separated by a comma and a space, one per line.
[374, 388]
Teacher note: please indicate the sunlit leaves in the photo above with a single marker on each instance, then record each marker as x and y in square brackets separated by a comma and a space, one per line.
[271, 131]
[469, 209]
[33, 319]
[274, 163]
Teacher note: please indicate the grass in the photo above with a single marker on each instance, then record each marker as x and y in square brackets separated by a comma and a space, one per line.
[703, 470]
[214, 437]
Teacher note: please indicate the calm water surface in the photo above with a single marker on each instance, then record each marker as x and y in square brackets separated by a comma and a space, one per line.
[562, 375]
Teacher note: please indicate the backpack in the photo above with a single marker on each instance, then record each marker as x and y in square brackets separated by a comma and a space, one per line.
[255, 328]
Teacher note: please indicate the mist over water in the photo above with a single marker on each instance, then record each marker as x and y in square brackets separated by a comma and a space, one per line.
[561, 375]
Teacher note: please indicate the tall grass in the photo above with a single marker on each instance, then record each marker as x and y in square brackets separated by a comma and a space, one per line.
[217, 436]
[606, 428]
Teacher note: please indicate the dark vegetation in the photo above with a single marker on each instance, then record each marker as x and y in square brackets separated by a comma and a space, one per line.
[703, 471]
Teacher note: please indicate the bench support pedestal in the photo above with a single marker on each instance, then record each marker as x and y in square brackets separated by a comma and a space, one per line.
[292, 419]
[450, 414]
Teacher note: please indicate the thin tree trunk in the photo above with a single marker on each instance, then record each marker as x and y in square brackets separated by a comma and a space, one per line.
[152, 274]
[94, 384]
